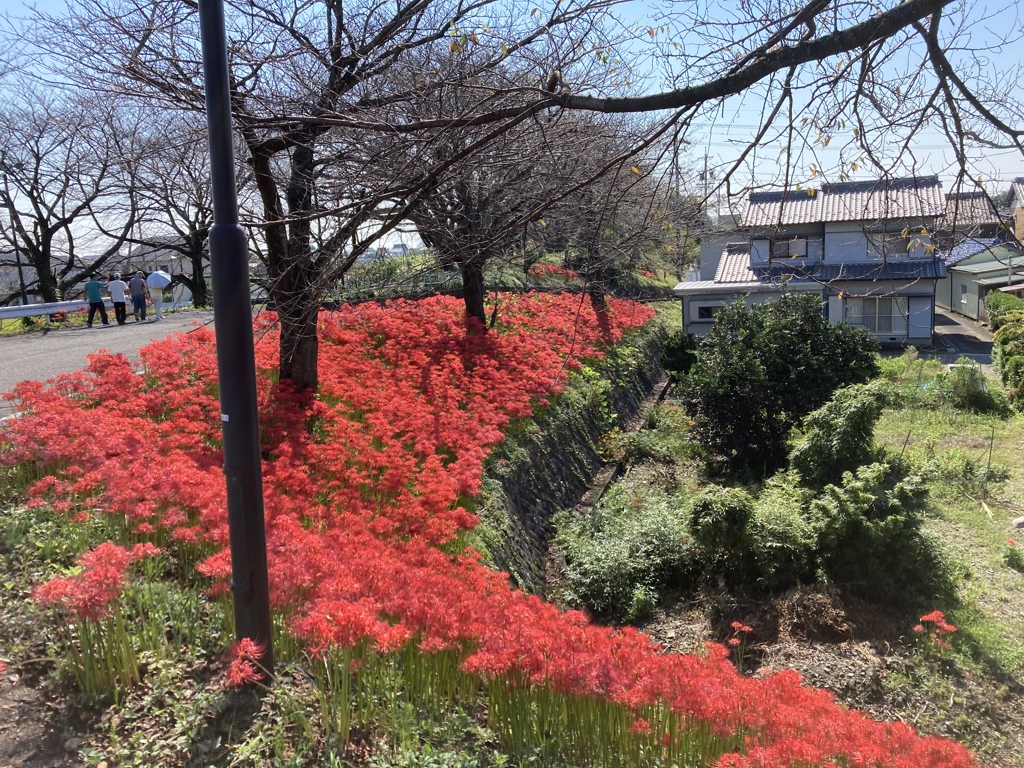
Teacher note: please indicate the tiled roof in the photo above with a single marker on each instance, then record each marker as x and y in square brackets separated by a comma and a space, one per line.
[768, 209]
[968, 247]
[896, 269]
[896, 199]
[1002, 256]
[1017, 190]
[967, 210]
[735, 267]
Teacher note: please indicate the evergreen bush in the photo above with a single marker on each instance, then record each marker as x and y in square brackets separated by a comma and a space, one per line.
[761, 369]
[964, 387]
[869, 537]
[839, 436]
[679, 353]
[998, 305]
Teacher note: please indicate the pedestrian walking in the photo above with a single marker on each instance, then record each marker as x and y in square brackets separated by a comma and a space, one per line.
[95, 299]
[140, 293]
[157, 281]
[119, 296]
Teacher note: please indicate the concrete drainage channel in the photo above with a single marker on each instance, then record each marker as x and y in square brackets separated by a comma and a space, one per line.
[609, 473]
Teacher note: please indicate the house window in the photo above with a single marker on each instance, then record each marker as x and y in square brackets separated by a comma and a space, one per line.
[963, 294]
[789, 248]
[882, 245]
[883, 316]
[707, 313]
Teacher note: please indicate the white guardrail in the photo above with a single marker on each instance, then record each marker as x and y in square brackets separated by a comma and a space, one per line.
[47, 308]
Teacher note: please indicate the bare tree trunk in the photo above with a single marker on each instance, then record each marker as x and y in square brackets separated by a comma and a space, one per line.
[300, 346]
[297, 291]
[48, 288]
[473, 294]
[200, 296]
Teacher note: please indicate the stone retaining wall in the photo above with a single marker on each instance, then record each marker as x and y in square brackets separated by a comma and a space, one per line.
[549, 464]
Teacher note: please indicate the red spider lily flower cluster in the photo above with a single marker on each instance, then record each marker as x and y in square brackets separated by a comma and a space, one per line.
[935, 626]
[244, 656]
[738, 629]
[641, 726]
[552, 270]
[88, 595]
[365, 494]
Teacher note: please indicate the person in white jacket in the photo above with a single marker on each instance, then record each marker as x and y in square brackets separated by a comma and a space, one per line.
[157, 281]
[119, 296]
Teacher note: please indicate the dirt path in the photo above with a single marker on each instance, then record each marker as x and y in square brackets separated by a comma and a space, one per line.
[27, 737]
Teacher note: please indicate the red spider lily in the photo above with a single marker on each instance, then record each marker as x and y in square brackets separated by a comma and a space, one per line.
[552, 270]
[641, 726]
[935, 627]
[89, 594]
[938, 621]
[364, 494]
[244, 655]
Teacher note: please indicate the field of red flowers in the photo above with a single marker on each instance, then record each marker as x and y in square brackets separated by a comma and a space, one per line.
[366, 495]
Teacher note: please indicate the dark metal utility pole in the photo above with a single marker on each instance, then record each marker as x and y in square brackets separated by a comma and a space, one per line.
[236, 364]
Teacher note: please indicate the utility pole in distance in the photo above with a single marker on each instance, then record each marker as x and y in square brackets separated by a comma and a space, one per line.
[236, 363]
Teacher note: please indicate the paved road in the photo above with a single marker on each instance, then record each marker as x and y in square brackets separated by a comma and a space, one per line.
[41, 356]
[963, 337]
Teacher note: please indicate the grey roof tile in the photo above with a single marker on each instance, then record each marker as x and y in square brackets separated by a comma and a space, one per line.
[735, 267]
[887, 199]
[965, 210]
[895, 269]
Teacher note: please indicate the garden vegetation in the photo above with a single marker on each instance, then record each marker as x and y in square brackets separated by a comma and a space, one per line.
[368, 492]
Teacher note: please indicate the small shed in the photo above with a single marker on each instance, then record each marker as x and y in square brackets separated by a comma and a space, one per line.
[969, 280]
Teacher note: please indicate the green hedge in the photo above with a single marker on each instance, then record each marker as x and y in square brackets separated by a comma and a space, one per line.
[1006, 316]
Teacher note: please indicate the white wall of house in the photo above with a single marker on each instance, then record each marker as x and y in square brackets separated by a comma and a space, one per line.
[698, 311]
[711, 247]
[922, 312]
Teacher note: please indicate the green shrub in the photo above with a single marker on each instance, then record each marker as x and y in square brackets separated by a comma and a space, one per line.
[1009, 339]
[998, 305]
[761, 369]
[780, 535]
[869, 537]
[956, 467]
[620, 558]
[645, 598]
[839, 436]
[1012, 369]
[719, 523]
[897, 369]
[964, 387]
[664, 439]
[679, 352]
[1013, 555]
[765, 542]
